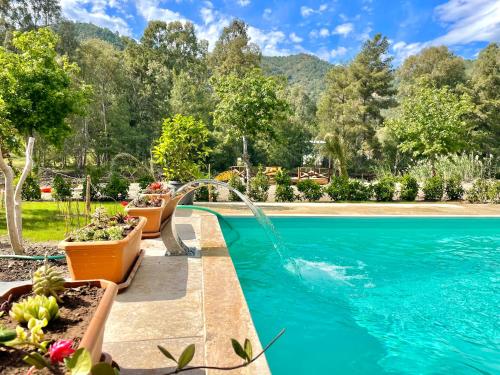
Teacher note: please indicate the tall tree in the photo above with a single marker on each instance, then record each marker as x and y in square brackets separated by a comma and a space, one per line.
[233, 52]
[247, 107]
[485, 90]
[38, 92]
[433, 122]
[107, 120]
[437, 65]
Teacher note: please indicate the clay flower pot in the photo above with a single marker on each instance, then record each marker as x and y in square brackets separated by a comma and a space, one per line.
[153, 217]
[108, 260]
[93, 336]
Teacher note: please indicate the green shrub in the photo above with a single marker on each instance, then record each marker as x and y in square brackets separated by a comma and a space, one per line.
[259, 187]
[384, 189]
[359, 191]
[434, 188]
[494, 192]
[284, 190]
[117, 188]
[338, 189]
[145, 180]
[454, 189]
[479, 192]
[31, 188]
[95, 180]
[408, 188]
[236, 183]
[201, 194]
[310, 190]
[61, 189]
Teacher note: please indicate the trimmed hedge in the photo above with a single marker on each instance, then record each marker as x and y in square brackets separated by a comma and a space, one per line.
[434, 188]
[408, 188]
[310, 190]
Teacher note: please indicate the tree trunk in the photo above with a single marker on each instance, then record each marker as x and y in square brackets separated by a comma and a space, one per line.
[8, 173]
[17, 197]
[246, 161]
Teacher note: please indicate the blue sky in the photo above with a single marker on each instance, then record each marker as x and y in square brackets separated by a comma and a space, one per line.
[333, 30]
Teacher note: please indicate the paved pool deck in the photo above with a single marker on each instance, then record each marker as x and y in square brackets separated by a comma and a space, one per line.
[175, 301]
[358, 209]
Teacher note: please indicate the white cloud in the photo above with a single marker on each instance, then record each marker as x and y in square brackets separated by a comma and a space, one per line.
[267, 14]
[323, 7]
[244, 3]
[94, 11]
[324, 32]
[295, 38]
[466, 21]
[344, 29]
[337, 52]
[306, 11]
[150, 10]
[268, 41]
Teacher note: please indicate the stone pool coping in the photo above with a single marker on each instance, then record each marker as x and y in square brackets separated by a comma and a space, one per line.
[359, 209]
[226, 311]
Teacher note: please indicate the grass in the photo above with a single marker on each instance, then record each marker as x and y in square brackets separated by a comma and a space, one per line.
[49, 221]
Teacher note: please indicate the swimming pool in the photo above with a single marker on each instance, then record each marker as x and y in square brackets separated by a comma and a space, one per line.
[373, 295]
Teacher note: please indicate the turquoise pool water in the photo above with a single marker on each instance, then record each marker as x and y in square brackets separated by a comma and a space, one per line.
[374, 295]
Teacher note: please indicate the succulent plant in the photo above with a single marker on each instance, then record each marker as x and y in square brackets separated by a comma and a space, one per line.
[37, 307]
[48, 281]
[115, 233]
[83, 234]
[7, 334]
[101, 235]
[145, 201]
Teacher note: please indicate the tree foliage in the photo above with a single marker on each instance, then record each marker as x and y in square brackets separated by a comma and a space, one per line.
[182, 148]
[433, 121]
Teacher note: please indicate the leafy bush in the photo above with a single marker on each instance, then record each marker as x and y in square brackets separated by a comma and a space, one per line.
[116, 188]
[384, 189]
[359, 191]
[284, 190]
[236, 183]
[434, 188]
[310, 190]
[479, 192]
[259, 187]
[201, 194]
[338, 190]
[454, 189]
[61, 189]
[494, 192]
[95, 179]
[408, 188]
[145, 180]
[31, 188]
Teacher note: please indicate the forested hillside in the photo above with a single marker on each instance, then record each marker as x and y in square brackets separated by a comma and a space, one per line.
[305, 70]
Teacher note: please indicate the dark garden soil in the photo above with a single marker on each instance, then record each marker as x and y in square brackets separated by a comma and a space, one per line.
[16, 269]
[75, 313]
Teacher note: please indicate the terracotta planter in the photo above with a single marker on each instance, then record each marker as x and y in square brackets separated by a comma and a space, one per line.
[93, 337]
[108, 260]
[165, 196]
[153, 217]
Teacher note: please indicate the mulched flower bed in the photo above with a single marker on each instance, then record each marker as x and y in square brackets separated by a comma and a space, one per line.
[75, 313]
[13, 269]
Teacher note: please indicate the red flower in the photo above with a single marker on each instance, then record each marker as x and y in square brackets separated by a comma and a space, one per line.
[60, 350]
[155, 186]
[124, 203]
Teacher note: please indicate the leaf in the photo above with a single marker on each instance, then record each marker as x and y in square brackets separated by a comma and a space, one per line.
[238, 349]
[248, 349]
[166, 353]
[186, 356]
[36, 359]
[103, 369]
[80, 363]
[7, 334]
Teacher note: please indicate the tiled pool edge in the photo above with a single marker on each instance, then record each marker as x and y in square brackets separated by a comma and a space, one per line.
[226, 311]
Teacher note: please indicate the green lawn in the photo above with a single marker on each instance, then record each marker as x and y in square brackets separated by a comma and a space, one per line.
[45, 221]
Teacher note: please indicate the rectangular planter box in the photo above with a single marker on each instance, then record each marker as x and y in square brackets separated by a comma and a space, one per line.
[108, 260]
[153, 217]
[93, 337]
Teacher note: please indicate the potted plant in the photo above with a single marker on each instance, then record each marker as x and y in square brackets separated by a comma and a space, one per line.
[34, 331]
[105, 249]
[150, 208]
